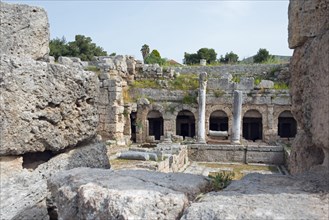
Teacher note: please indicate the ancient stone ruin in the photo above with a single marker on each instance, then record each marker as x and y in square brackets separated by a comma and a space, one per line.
[59, 122]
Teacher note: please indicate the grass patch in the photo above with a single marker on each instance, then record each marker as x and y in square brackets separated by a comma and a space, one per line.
[280, 85]
[94, 69]
[185, 82]
[238, 168]
[189, 99]
[145, 83]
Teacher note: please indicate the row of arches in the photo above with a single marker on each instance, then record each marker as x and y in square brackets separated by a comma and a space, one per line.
[252, 128]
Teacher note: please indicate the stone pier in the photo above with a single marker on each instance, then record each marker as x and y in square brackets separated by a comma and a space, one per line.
[237, 108]
[201, 138]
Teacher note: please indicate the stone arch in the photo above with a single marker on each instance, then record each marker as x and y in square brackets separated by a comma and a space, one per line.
[287, 125]
[252, 125]
[185, 123]
[218, 121]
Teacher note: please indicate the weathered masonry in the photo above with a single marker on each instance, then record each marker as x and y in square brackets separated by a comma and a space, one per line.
[146, 103]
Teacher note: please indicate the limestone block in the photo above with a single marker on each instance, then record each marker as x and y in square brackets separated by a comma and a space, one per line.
[104, 76]
[51, 59]
[10, 165]
[130, 194]
[45, 106]
[134, 155]
[259, 196]
[23, 195]
[281, 100]
[265, 84]
[24, 31]
[65, 61]
[120, 63]
[246, 83]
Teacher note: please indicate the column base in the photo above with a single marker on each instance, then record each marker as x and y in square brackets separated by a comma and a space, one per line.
[235, 142]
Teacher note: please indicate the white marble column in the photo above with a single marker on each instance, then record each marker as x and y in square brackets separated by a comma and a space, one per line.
[237, 110]
[201, 138]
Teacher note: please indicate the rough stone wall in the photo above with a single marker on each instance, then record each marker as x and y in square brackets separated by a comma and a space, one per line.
[28, 29]
[309, 36]
[111, 107]
[48, 114]
[248, 70]
[45, 106]
[115, 73]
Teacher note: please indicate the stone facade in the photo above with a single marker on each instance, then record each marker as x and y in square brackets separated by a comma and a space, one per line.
[147, 114]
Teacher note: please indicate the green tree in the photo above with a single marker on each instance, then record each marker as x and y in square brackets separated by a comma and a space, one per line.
[154, 57]
[208, 54]
[82, 47]
[262, 56]
[229, 58]
[145, 51]
[191, 58]
[58, 47]
[203, 53]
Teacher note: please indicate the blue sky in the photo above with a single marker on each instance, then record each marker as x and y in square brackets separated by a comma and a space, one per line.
[173, 27]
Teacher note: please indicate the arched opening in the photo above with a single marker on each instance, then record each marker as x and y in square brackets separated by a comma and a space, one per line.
[218, 121]
[252, 125]
[133, 116]
[287, 125]
[155, 120]
[185, 124]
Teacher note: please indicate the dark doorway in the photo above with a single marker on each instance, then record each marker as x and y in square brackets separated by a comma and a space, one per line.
[185, 124]
[218, 121]
[287, 125]
[133, 126]
[252, 126]
[155, 124]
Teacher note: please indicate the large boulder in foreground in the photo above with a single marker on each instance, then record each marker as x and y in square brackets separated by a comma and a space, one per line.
[309, 36]
[45, 106]
[24, 194]
[85, 193]
[259, 196]
[24, 31]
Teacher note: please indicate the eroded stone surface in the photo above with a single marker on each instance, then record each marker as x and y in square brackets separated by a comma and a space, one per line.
[95, 193]
[24, 31]
[45, 106]
[307, 19]
[260, 196]
[309, 35]
[23, 194]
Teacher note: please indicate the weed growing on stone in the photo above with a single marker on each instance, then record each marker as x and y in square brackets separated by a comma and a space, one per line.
[219, 93]
[221, 180]
[236, 79]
